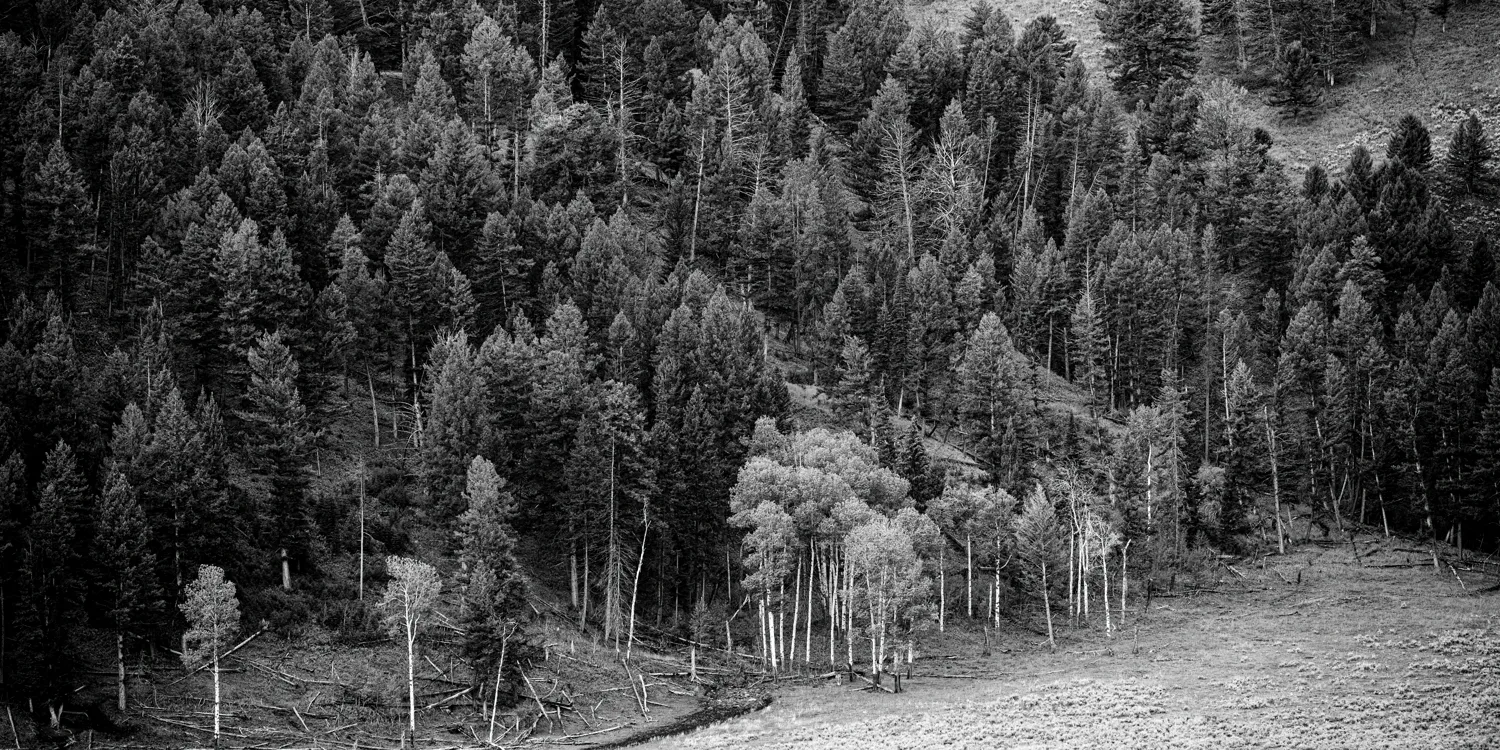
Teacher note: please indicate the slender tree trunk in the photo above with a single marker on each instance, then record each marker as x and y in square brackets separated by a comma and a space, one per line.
[362, 527]
[812, 564]
[217, 694]
[374, 406]
[796, 609]
[969, 579]
[1109, 627]
[942, 590]
[1047, 607]
[411, 672]
[120, 660]
[635, 588]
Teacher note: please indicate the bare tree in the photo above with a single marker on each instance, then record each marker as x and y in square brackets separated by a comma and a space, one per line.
[408, 600]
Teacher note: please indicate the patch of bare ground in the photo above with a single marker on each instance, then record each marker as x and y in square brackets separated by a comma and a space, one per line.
[1331, 645]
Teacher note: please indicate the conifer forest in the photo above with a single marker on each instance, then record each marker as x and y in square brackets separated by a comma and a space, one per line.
[502, 356]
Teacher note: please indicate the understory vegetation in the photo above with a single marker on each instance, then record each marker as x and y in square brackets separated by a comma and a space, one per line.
[786, 329]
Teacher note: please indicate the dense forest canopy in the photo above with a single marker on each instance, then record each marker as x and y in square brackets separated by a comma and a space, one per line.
[523, 285]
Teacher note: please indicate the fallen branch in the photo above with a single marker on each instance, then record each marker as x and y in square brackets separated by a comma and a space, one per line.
[596, 731]
[222, 657]
[450, 698]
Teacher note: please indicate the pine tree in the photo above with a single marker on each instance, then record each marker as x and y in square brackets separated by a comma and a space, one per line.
[494, 595]
[855, 383]
[1089, 346]
[1469, 153]
[454, 420]
[1297, 89]
[1039, 541]
[458, 188]
[610, 482]
[855, 63]
[58, 221]
[50, 573]
[1149, 42]
[1411, 143]
[126, 568]
[501, 77]
[277, 424]
[993, 397]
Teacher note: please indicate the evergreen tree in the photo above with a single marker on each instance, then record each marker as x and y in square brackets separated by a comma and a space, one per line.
[50, 573]
[1411, 143]
[58, 221]
[1089, 346]
[855, 63]
[1148, 43]
[126, 568]
[992, 392]
[279, 438]
[1297, 89]
[610, 482]
[455, 414]
[494, 594]
[1469, 154]
[1039, 541]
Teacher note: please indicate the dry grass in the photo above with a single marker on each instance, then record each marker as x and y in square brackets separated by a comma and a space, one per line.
[1439, 76]
[1351, 657]
[1075, 16]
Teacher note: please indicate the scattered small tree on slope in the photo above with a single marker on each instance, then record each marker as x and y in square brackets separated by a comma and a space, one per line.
[408, 600]
[213, 617]
[1039, 545]
[1469, 153]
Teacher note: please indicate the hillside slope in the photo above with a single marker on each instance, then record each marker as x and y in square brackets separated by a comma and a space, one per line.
[1315, 649]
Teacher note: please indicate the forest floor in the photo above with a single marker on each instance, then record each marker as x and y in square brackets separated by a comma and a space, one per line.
[1309, 650]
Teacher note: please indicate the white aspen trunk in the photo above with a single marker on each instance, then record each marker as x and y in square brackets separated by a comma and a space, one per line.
[217, 696]
[849, 609]
[411, 672]
[1072, 600]
[1047, 607]
[120, 658]
[1109, 628]
[374, 410]
[833, 604]
[942, 591]
[796, 608]
[995, 587]
[635, 588]
[812, 564]
[760, 622]
[1124, 580]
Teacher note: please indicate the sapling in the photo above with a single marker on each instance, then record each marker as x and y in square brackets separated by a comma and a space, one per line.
[213, 617]
[408, 600]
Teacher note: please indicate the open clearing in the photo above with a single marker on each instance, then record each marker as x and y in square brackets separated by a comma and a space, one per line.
[1352, 656]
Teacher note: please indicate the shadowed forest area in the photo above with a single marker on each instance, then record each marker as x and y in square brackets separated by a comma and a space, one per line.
[459, 342]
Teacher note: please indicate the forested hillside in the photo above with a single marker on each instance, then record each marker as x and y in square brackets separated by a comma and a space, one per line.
[315, 309]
